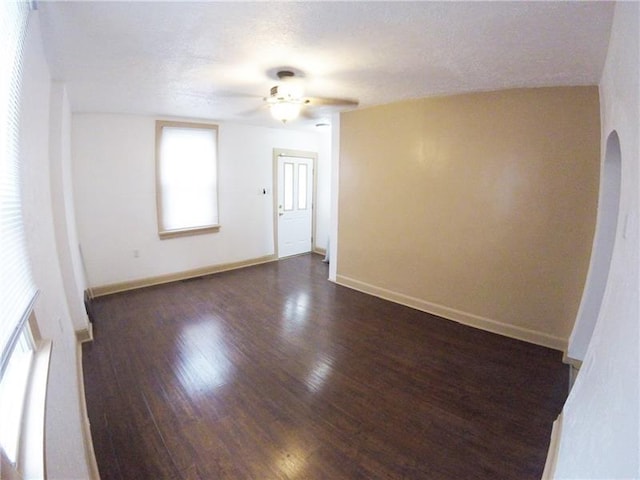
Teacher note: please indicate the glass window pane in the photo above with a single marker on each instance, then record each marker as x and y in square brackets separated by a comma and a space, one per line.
[188, 177]
[288, 186]
[302, 187]
[17, 287]
[13, 387]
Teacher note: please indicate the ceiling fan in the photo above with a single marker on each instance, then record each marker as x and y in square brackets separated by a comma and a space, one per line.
[286, 100]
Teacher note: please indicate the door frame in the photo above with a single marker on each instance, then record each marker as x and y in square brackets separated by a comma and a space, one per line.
[313, 156]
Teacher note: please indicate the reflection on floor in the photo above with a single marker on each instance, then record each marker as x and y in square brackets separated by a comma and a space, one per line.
[272, 372]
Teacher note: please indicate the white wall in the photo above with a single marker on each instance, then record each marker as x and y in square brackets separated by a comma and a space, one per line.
[335, 200]
[113, 159]
[601, 421]
[65, 450]
[62, 204]
[323, 193]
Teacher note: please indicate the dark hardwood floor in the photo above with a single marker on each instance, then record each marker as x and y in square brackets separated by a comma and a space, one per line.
[273, 372]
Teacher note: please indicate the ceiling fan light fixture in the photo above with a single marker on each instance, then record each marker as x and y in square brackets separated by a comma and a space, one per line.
[285, 110]
[290, 90]
[286, 99]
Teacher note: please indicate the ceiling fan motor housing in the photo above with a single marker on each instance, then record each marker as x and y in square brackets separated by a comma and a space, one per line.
[287, 93]
[274, 91]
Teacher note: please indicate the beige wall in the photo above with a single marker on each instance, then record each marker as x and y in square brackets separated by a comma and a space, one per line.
[480, 207]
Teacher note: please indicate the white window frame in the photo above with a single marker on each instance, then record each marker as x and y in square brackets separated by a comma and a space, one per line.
[24, 356]
[163, 231]
[15, 382]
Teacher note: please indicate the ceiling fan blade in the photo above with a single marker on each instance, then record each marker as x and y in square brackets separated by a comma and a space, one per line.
[234, 94]
[331, 102]
[252, 111]
[305, 113]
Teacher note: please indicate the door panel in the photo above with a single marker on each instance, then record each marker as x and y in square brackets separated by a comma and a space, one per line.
[295, 193]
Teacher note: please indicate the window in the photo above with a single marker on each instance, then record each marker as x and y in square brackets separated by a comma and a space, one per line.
[186, 178]
[13, 388]
[302, 186]
[288, 187]
[17, 288]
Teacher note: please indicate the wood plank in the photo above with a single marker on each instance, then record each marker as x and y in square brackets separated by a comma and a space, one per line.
[272, 372]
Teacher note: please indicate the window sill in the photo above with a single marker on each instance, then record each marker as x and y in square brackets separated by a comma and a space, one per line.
[188, 232]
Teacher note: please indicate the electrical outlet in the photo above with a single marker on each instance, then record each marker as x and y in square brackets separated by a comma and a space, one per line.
[136, 254]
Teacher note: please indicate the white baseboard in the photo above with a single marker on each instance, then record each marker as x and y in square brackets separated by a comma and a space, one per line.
[552, 454]
[571, 361]
[85, 334]
[173, 277]
[90, 455]
[472, 320]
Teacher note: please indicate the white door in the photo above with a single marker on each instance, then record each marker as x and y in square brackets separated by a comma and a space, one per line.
[295, 215]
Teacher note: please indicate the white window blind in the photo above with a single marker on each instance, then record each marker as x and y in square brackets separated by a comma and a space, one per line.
[187, 175]
[17, 289]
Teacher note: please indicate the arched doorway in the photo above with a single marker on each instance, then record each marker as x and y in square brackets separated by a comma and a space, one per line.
[602, 251]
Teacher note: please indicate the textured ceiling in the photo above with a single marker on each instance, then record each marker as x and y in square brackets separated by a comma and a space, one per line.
[217, 60]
